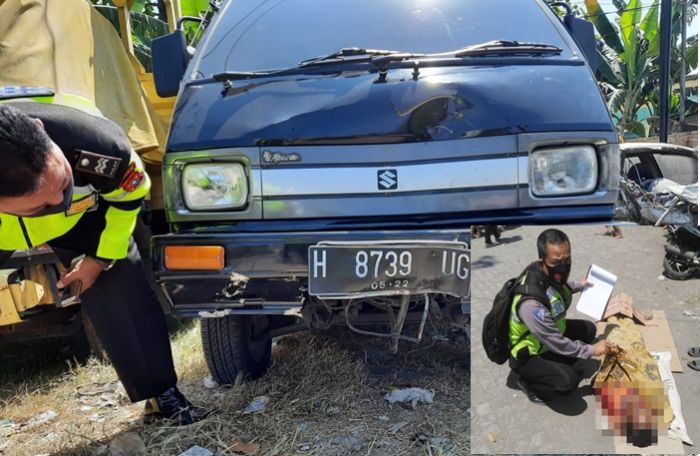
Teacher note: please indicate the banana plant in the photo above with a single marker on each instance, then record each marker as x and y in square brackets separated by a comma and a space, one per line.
[627, 60]
[628, 69]
[196, 8]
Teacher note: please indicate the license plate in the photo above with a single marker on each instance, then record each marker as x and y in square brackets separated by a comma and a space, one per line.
[344, 270]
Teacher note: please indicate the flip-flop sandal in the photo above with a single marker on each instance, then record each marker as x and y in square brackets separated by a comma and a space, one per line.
[694, 364]
[694, 352]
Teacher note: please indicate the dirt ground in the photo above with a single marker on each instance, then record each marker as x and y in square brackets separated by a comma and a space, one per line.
[326, 397]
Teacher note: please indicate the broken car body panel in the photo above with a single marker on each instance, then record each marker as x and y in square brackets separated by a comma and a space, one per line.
[659, 184]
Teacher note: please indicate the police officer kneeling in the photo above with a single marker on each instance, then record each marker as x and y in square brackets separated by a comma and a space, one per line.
[545, 346]
[70, 180]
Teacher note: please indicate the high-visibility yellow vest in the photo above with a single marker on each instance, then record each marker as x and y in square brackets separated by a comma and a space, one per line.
[122, 204]
[520, 336]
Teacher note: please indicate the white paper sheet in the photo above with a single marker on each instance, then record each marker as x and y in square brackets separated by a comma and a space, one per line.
[594, 299]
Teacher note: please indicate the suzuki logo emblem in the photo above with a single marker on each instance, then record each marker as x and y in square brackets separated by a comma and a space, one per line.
[387, 179]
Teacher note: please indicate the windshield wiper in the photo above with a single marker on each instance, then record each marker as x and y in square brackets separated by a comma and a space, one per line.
[241, 75]
[352, 55]
[505, 47]
[381, 58]
[345, 55]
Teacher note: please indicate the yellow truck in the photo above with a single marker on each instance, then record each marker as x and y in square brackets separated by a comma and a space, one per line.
[84, 56]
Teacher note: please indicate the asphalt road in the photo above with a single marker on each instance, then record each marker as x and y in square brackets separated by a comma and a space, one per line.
[518, 426]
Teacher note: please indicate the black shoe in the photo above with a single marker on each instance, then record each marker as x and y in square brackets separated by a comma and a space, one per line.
[172, 405]
[515, 382]
[512, 380]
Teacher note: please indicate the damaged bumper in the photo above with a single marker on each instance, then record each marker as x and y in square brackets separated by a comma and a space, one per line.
[262, 273]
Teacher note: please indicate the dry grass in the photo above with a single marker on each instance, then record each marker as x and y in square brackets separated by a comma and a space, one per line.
[326, 398]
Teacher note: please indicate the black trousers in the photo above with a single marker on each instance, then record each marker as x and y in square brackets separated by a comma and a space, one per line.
[491, 230]
[550, 374]
[130, 324]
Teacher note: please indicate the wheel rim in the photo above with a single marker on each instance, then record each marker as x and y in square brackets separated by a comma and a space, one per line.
[678, 266]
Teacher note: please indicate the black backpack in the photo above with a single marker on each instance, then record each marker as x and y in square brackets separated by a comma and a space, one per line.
[494, 335]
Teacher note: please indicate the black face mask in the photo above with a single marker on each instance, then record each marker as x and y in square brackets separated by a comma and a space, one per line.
[63, 206]
[559, 273]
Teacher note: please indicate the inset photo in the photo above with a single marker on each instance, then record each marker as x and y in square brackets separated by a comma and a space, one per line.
[585, 339]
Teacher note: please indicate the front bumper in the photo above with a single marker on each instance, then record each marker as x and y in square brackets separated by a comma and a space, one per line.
[275, 265]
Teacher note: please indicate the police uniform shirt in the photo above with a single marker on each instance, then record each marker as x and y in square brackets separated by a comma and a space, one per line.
[109, 186]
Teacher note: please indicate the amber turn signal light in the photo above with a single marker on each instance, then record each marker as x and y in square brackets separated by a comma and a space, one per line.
[194, 257]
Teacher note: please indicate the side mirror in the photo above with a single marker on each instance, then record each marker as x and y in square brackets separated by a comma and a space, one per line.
[584, 35]
[170, 59]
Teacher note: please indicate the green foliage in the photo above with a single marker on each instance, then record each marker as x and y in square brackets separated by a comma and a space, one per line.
[575, 8]
[144, 29]
[145, 26]
[650, 27]
[629, 51]
[195, 8]
[607, 31]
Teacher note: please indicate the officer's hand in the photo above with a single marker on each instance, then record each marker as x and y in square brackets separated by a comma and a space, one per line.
[601, 347]
[583, 284]
[86, 271]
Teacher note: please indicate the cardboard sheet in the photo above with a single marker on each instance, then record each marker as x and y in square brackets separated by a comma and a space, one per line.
[621, 304]
[658, 338]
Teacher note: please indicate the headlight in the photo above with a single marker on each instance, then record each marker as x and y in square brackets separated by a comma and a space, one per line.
[563, 171]
[208, 186]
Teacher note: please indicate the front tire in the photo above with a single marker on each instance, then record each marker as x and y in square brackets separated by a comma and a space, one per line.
[230, 350]
[676, 269]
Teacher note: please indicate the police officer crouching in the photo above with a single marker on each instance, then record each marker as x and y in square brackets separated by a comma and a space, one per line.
[70, 180]
[545, 346]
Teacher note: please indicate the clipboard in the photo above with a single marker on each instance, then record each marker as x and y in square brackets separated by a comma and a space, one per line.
[594, 300]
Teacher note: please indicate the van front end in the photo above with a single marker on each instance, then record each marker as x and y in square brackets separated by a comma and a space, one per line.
[332, 179]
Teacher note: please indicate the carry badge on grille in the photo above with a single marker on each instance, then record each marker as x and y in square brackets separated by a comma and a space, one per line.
[387, 179]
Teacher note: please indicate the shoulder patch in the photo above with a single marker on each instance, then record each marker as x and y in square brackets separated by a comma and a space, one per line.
[132, 178]
[557, 309]
[538, 313]
[97, 164]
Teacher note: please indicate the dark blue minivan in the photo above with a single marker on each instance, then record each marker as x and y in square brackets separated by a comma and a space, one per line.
[326, 159]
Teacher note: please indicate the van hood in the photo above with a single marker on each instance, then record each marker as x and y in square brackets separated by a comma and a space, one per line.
[353, 108]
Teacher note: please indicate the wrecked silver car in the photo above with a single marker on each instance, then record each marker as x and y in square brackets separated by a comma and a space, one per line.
[659, 184]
